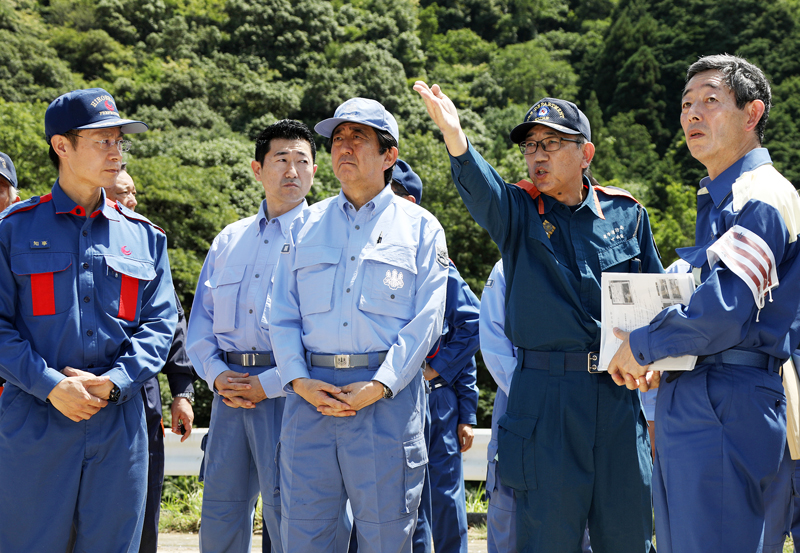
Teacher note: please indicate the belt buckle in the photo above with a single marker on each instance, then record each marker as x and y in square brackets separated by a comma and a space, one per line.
[341, 361]
[592, 361]
[248, 360]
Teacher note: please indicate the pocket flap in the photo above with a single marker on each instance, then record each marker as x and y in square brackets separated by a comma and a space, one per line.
[618, 253]
[416, 452]
[397, 255]
[306, 256]
[227, 275]
[33, 263]
[141, 270]
[521, 426]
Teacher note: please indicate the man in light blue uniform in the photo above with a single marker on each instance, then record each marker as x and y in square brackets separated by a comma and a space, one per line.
[231, 346]
[588, 438]
[453, 401]
[357, 304]
[721, 428]
[87, 314]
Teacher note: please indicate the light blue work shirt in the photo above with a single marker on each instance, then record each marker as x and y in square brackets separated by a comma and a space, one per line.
[360, 281]
[498, 352]
[88, 291]
[232, 302]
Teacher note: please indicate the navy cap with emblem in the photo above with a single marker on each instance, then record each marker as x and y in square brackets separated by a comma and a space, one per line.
[560, 115]
[403, 175]
[360, 110]
[90, 108]
[7, 170]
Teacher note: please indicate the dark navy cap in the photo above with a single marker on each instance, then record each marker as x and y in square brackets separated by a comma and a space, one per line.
[560, 115]
[408, 179]
[7, 170]
[91, 108]
[360, 110]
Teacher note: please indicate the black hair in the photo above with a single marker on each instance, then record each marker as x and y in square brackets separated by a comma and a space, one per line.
[287, 129]
[385, 142]
[54, 159]
[745, 80]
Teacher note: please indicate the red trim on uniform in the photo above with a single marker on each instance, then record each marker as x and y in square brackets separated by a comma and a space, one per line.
[42, 200]
[435, 353]
[1, 390]
[43, 295]
[128, 297]
[534, 193]
[616, 192]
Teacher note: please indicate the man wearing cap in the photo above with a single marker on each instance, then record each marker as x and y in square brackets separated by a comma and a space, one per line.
[453, 399]
[231, 345]
[358, 301]
[8, 182]
[573, 445]
[721, 428]
[87, 315]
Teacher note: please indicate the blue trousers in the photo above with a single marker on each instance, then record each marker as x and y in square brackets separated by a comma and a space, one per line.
[55, 473]
[779, 503]
[376, 459]
[574, 447]
[720, 436]
[240, 464]
[155, 469]
[501, 526]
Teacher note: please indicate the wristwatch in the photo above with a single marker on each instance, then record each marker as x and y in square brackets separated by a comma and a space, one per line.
[387, 392]
[187, 395]
[113, 396]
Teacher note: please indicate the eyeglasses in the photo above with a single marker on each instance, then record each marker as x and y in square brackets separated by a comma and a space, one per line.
[122, 145]
[551, 144]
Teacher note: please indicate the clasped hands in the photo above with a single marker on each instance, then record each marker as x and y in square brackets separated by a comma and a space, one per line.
[625, 371]
[81, 394]
[338, 401]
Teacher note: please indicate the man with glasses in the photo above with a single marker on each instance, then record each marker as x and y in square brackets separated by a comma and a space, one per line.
[573, 445]
[87, 314]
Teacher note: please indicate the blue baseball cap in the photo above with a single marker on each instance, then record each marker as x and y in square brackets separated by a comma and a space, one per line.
[560, 115]
[91, 108]
[7, 169]
[360, 110]
[408, 179]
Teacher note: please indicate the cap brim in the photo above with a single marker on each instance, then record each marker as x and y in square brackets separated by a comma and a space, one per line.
[326, 127]
[517, 135]
[127, 126]
[9, 177]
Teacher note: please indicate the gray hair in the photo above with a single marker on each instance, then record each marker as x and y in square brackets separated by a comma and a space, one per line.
[745, 80]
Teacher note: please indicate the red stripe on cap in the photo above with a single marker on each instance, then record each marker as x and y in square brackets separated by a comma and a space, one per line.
[128, 297]
[43, 295]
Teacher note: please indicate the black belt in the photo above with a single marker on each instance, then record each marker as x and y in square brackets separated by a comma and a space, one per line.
[558, 361]
[754, 359]
[249, 359]
[437, 385]
[347, 361]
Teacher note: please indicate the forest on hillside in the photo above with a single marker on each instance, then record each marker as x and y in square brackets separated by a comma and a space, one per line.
[208, 75]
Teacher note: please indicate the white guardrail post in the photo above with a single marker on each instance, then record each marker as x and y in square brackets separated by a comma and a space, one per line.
[183, 459]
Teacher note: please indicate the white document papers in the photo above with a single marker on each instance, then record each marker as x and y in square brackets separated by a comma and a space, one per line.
[631, 300]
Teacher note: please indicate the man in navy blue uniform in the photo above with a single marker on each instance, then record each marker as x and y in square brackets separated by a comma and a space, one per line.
[8, 182]
[453, 402]
[178, 370]
[567, 433]
[87, 314]
[721, 428]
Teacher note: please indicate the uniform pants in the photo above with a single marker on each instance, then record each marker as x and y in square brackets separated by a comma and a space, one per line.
[574, 447]
[778, 500]
[240, 464]
[501, 515]
[151, 394]
[376, 459]
[720, 436]
[423, 537]
[55, 473]
[446, 474]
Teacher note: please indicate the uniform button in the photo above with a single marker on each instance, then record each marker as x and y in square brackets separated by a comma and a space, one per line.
[641, 356]
[466, 162]
[348, 290]
[257, 275]
[91, 365]
[266, 241]
[89, 332]
[85, 265]
[86, 299]
[253, 348]
[392, 296]
[345, 324]
[352, 258]
[85, 233]
[251, 311]
[358, 227]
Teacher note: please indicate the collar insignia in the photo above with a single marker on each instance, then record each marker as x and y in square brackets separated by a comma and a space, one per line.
[549, 228]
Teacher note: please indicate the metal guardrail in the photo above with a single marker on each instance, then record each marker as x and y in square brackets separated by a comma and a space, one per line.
[183, 459]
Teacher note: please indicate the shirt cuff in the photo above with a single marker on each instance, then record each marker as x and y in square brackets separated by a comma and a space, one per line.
[639, 341]
[49, 380]
[388, 377]
[120, 377]
[180, 384]
[216, 368]
[271, 383]
[291, 372]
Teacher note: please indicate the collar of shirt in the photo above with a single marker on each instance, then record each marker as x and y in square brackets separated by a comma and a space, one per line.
[720, 187]
[589, 200]
[377, 204]
[64, 204]
[284, 221]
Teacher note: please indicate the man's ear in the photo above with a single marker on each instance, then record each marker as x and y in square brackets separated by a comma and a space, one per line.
[588, 155]
[61, 145]
[755, 111]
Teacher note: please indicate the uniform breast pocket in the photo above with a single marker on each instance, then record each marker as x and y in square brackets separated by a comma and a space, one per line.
[619, 258]
[122, 285]
[46, 282]
[389, 286]
[315, 270]
[225, 284]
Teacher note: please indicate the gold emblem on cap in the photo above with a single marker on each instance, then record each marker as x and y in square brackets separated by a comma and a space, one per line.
[549, 228]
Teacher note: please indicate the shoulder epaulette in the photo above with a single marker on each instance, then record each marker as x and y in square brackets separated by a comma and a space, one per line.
[615, 191]
[27, 205]
[133, 216]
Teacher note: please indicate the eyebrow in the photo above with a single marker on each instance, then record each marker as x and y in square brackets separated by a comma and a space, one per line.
[287, 152]
[704, 85]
